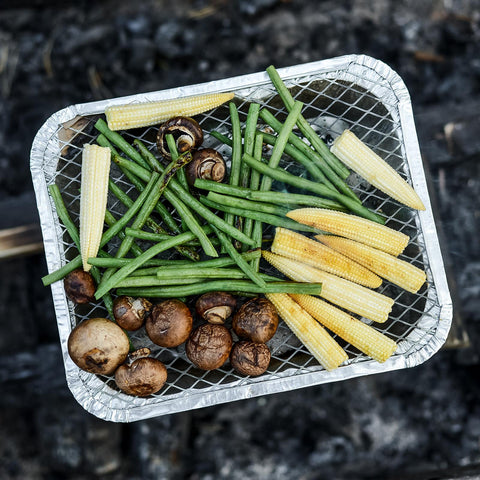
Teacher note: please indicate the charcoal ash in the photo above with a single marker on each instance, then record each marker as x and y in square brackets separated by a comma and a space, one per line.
[372, 427]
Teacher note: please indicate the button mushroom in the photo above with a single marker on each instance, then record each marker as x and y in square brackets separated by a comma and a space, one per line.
[215, 307]
[207, 164]
[130, 312]
[142, 376]
[250, 358]
[209, 345]
[98, 345]
[186, 131]
[256, 320]
[79, 286]
[169, 323]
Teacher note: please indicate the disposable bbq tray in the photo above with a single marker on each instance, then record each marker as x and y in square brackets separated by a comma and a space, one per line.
[353, 91]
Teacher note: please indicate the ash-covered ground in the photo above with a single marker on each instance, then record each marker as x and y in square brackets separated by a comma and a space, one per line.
[397, 425]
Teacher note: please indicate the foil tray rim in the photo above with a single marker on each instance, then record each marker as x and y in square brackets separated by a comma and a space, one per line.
[201, 398]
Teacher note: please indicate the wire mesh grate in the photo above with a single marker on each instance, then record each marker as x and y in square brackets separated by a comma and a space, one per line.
[333, 100]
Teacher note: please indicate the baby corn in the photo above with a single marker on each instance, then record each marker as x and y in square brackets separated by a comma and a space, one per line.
[317, 340]
[397, 271]
[364, 161]
[362, 336]
[294, 245]
[348, 295]
[93, 199]
[353, 227]
[123, 117]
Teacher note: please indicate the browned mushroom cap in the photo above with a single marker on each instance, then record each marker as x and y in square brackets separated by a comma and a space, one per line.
[79, 286]
[143, 377]
[130, 312]
[169, 323]
[98, 345]
[256, 320]
[207, 164]
[186, 131]
[250, 358]
[209, 345]
[215, 307]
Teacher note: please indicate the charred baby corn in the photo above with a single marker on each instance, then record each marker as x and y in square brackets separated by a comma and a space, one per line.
[348, 295]
[123, 117]
[393, 269]
[294, 245]
[363, 160]
[93, 199]
[317, 340]
[353, 227]
[362, 336]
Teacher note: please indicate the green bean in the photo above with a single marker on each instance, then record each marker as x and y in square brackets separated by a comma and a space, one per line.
[263, 217]
[152, 161]
[282, 139]
[172, 146]
[298, 156]
[304, 126]
[251, 127]
[103, 141]
[137, 262]
[62, 272]
[111, 220]
[257, 230]
[193, 225]
[156, 237]
[184, 276]
[236, 146]
[225, 188]
[292, 199]
[315, 187]
[178, 161]
[205, 272]
[233, 286]
[153, 263]
[192, 202]
[239, 260]
[223, 138]
[153, 281]
[120, 142]
[249, 142]
[236, 158]
[63, 214]
[313, 156]
[247, 204]
[213, 263]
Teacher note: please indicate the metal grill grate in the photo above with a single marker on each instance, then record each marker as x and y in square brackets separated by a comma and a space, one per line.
[353, 95]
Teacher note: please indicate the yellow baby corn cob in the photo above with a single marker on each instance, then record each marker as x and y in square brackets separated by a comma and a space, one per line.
[362, 336]
[348, 295]
[294, 245]
[123, 117]
[353, 227]
[317, 340]
[364, 161]
[397, 271]
[93, 199]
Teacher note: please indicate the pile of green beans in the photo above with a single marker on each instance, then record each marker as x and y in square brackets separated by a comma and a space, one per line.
[222, 221]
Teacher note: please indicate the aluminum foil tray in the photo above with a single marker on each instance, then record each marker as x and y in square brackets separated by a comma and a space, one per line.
[352, 91]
